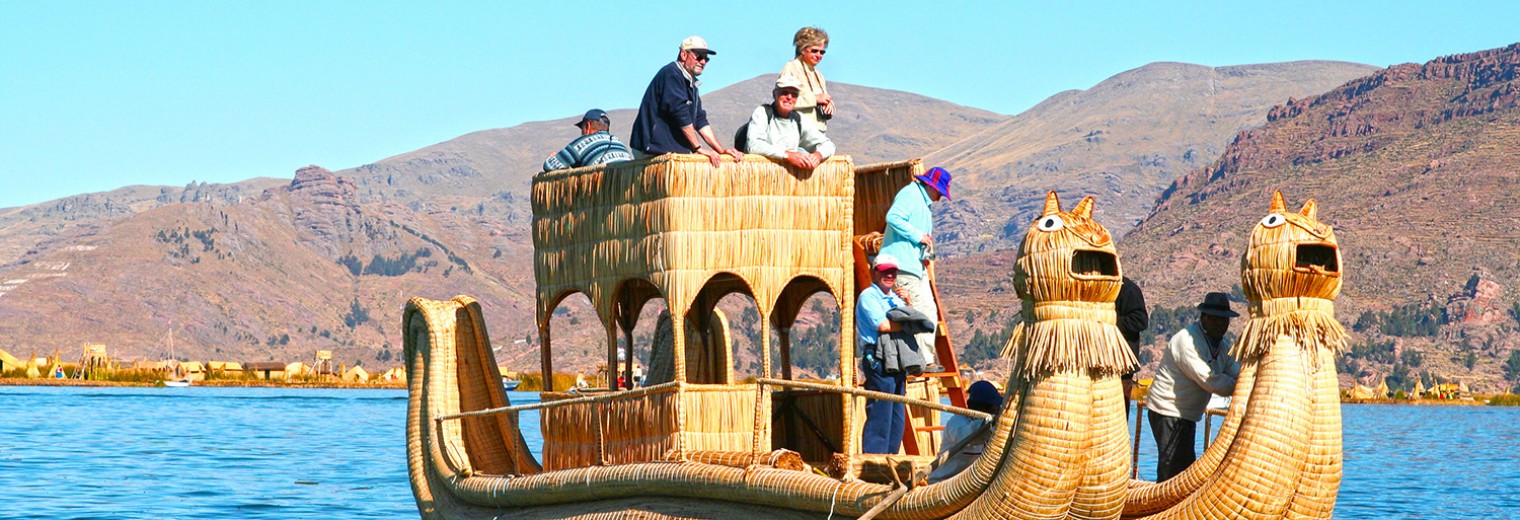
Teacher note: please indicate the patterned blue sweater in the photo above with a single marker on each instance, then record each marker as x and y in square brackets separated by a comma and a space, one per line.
[589, 150]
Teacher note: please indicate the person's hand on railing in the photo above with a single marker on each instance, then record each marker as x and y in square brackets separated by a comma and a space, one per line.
[801, 160]
[711, 156]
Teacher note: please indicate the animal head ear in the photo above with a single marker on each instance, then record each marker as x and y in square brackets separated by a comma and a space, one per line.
[1310, 210]
[1278, 206]
[1052, 204]
[1084, 208]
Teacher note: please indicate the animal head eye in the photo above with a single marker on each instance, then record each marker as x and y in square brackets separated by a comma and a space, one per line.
[1273, 220]
[1050, 223]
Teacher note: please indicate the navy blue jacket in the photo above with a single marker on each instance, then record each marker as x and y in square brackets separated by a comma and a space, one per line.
[670, 103]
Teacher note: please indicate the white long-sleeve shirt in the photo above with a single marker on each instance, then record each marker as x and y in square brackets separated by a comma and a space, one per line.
[1189, 374]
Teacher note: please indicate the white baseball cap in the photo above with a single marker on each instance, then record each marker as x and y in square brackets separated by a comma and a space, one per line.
[696, 43]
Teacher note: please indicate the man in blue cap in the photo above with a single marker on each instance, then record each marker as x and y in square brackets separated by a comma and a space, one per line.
[910, 239]
[596, 145]
[982, 397]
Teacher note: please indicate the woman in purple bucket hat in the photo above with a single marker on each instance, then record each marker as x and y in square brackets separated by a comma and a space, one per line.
[909, 237]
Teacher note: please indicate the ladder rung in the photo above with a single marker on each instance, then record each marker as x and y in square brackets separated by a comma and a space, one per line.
[936, 374]
[928, 428]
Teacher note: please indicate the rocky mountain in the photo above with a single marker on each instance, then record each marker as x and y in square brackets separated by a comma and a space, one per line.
[873, 125]
[1415, 166]
[1123, 140]
[271, 269]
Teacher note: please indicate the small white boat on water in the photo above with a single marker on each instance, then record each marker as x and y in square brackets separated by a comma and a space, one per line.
[509, 384]
[179, 383]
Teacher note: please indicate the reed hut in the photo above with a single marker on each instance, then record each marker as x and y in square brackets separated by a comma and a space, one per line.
[1362, 392]
[9, 362]
[267, 370]
[392, 374]
[357, 374]
[225, 368]
[193, 370]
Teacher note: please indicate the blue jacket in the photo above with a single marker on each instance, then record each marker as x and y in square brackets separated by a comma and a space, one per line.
[907, 221]
[670, 102]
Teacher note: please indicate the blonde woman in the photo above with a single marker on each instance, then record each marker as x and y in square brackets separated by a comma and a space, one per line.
[814, 102]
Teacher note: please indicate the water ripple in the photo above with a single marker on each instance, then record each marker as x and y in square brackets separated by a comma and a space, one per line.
[268, 453]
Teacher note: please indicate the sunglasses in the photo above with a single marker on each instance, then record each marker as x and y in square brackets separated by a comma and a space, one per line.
[819, 52]
[701, 56]
[787, 93]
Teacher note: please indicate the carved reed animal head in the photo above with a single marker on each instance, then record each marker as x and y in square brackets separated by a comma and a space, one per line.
[1291, 255]
[1067, 256]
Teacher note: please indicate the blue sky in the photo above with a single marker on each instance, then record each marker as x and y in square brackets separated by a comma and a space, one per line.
[96, 95]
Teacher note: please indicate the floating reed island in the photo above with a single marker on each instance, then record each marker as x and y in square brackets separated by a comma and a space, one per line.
[697, 443]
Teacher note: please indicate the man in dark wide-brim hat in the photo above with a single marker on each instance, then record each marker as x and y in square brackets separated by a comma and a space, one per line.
[1195, 364]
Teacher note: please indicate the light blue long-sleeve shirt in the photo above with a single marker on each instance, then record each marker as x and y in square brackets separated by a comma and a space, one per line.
[908, 221]
[871, 311]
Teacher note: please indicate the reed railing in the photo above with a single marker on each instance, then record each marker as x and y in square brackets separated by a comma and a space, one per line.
[762, 424]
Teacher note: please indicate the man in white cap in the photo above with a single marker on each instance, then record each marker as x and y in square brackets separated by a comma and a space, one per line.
[671, 118]
[884, 419]
[1196, 363]
[777, 130]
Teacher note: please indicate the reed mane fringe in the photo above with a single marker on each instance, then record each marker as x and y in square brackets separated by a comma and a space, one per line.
[1311, 321]
[1055, 337]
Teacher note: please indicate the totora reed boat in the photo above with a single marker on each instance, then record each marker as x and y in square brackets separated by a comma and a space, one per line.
[696, 442]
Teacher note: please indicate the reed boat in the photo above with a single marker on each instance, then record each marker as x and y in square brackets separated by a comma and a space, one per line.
[699, 443]
[1278, 452]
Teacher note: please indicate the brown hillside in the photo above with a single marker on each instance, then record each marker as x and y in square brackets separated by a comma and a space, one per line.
[261, 270]
[1123, 140]
[874, 125]
[1415, 166]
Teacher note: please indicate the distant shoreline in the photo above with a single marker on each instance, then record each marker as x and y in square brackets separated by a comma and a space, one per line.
[1419, 402]
[213, 383]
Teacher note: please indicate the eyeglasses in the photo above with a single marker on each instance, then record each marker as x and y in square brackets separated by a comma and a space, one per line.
[819, 52]
[787, 93]
[700, 56]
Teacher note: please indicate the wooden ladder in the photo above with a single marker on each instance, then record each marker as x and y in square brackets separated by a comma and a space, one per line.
[944, 352]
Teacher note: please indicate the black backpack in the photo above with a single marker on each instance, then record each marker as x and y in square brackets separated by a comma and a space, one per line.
[741, 136]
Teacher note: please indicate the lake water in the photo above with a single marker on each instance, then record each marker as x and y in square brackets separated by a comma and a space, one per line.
[261, 453]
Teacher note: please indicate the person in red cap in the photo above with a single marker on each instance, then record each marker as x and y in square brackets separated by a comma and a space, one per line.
[883, 430]
[910, 238]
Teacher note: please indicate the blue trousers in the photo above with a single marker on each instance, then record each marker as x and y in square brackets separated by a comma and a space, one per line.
[883, 430]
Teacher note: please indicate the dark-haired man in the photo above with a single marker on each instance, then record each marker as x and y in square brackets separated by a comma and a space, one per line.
[596, 145]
